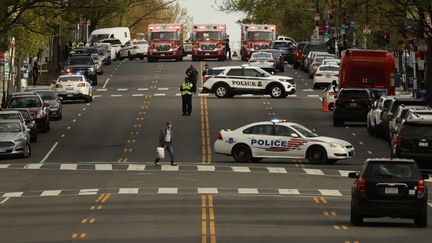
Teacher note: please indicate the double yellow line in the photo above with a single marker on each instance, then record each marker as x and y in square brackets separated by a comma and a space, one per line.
[210, 220]
[205, 128]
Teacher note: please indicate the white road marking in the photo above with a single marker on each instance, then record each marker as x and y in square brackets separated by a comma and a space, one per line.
[168, 190]
[360, 142]
[88, 192]
[279, 170]
[122, 90]
[74, 120]
[136, 167]
[49, 152]
[247, 95]
[240, 169]
[325, 192]
[68, 166]
[313, 96]
[289, 191]
[313, 171]
[206, 190]
[97, 96]
[169, 168]
[33, 166]
[163, 89]
[292, 95]
[106, 82]
[84, 109]
[4, 200]
[206, 168]
[344, 173]
[142, 89]
[62, 135]
[50, 193]
[128, 190]
[79, 114]
[308, 90]
[178, 94]
[203, 94]
[354, 134]
[116, 95]
[159, 94]
[138, 95]
[102, 90]
[13, 194]
[369, 152]
[247, 190]
[68, 128]
[4, 166]
[103, 166]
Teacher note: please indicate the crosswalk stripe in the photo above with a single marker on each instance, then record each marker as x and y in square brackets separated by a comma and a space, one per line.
[102, 90]
[178, 94]
[88, 192]
[163, 89]
[289, 191]
[159, 94]
[97, 96]
[122, 89]
[203, 94]
[128, 190]
[207, 190]
[206, 168]
[13, 194]
[103, 166]
[138, 95]
[313, 171]
[169, 168]
[247, 95]
[308, 90]
[142, 89]
[50, 193]
[314, 96]
[116, 95]
[4, 166]
[279, 170]
[344, 173]
[136, 167]
[167, 190]
[240, 169]
[68, 166]
[248, 191]
[326, 192]
[33, 166]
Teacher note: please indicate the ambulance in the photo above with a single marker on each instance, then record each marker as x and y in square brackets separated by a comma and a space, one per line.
[208, 41]
[255, 37]
[165, 42]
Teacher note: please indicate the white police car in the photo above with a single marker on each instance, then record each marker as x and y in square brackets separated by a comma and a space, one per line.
[280, 139]
[248, 80]
[74, 87]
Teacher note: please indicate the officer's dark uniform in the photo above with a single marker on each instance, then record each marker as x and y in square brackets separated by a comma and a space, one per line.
[186, 89]
[192, 75]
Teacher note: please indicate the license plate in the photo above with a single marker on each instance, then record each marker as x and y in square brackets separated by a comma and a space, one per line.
[391, 190]
[162, 55]
[423, 144]
[207, 54]
[69, 95]
[69, 88]
[352, 104]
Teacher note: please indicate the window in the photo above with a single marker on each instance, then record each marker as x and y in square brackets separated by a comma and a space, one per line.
[354, 94]
[260, 130]
[249, 72]
[304, 131]
[284, 131]
[235, 72]
[391, 170]
[258, 35]
[262, 55]
[212, 71]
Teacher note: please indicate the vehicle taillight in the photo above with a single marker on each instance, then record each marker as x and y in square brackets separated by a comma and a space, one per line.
[174, 46]
[195, 46]
[270, 60]
[81, 85]
[219, 46]
[361, 185]
[316, 64]
[398, 141]
[219, 137]
[420, 187]
[206, 78]
[318, 74]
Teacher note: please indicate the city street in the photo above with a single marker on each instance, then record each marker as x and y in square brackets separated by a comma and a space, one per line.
[92, 177]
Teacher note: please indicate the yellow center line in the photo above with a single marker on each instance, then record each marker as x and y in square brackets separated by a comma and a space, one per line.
[100, 197]
[74, 235]
[203, 219]
[212, 220]
[316, 200]
[107, 196]
[323, 200]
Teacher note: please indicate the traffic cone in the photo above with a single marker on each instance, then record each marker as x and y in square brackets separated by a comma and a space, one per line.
[325, 106]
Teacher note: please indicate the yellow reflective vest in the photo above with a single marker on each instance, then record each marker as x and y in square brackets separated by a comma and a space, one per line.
[186, 88]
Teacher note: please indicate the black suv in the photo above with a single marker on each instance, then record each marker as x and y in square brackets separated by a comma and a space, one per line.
[352, 105]
[82, 64]
[389, 188]
[413, 141]
[389, 114]
[286, 48]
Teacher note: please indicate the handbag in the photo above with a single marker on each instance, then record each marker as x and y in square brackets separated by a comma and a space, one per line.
[160, 152]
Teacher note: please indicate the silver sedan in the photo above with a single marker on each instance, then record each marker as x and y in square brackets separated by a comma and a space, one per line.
[14, 138]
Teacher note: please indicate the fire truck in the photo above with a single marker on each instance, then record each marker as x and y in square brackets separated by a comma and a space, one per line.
[208, 41]
[255, 37]
[165, 42]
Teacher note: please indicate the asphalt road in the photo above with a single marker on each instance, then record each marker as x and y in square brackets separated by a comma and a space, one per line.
[91, 178]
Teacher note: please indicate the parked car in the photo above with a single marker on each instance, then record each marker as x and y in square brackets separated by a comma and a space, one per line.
[105, 54]
[98, 63]
[307, 49]
[286, 48]
[82, 64]
[317, 61]
[389, 188]
[279, 59]
[116, 45]
[400, 116]
[14, 138]
[352, 104]
[50, 97]
[262, 60]
[38, 109]
[30, 123]
[134, 49]
[374, 116]
[325, 75]
[74, 87]
[298, 54]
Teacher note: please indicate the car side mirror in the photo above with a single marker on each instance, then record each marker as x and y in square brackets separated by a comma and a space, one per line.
[294, 135]
[425, 176]
[353, 175]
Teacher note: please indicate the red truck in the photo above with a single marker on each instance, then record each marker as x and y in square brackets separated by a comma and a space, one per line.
[374, 69]
[208, 41]
[165, 42]
[255, 37]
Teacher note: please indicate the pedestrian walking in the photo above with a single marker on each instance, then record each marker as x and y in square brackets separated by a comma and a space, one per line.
[192, 74]
[227, 47]
[186, 93]
[35, 72]
[204, 72]
[165, 143]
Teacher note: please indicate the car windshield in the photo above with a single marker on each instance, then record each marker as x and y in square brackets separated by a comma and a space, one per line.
[304, 131]
[259, 35]
[143, 42]
[97, 38]
[262, 55]
[263, 72]
[7, 116]
[69, 79]
[274, 53]
[25, 102]
[10, 127]
[112, 41]
[282, 44]
[164, 36]
[25, 115]
[417, 130]
[80, 61]
[391, 170]
[328, 68]
[353, 94]
[209, 35]
[46, 95]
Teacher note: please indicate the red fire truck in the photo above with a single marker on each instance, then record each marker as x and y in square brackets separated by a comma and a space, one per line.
[208, 41]
[165, 42]
[374, 69]
[255, 37]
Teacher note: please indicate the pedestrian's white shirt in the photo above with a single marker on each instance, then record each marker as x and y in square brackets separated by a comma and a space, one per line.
[168, 135]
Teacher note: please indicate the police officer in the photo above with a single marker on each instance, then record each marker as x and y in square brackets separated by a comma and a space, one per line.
[227, 47]
[334, 86]
[192, 75]
[186, 93]
[206, 68]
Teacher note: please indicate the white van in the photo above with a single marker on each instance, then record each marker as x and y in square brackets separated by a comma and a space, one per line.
[121, 33]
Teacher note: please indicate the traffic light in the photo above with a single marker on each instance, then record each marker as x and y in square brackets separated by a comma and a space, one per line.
[386, 38]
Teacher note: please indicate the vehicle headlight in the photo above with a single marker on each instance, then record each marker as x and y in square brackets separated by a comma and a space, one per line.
[91, 69]
[19, 140]
[55, 106]
[336, 145]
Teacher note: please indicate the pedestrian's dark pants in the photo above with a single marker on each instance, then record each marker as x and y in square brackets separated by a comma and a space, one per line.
[187, 104]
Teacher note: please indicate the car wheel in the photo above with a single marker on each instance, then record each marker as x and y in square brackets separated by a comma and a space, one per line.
[421, 220]
[316, 155]
[27, 151]
[242, 154]
[222, 91]
[356, 218]
[276, 91]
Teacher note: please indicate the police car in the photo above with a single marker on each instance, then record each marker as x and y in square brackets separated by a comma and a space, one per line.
[74, 87]
[280, 139]
[248, 80]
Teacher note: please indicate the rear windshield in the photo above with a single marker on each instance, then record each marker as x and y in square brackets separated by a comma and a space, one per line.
[275, 53]
[9, 116]
[80, 61]
[397, 103]
[328, 68]
[353, 94]
[70, 79]
[112, 41]
[25, 102]
[417, 130]
[262, 55]
[214, 71]
[391, 170]
[46, 95]
[282, 44]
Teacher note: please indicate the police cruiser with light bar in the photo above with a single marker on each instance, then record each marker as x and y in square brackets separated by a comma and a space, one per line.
[248, 80]
[281, 139]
